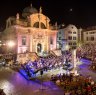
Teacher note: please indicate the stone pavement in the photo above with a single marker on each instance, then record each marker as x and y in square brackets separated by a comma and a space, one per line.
[85, 69]
[14, 83]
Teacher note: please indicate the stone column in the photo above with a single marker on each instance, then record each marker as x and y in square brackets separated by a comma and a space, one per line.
[74, 62]
[48, 42]
[39, 21]
[31, 43]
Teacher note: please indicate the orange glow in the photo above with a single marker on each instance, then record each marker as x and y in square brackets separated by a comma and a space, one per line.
[11, 43]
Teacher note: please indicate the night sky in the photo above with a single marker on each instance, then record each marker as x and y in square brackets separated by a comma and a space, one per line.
[80, 13]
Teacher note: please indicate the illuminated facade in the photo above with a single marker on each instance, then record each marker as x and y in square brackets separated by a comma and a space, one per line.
[70, 34]
[33, 32]
[89, 35]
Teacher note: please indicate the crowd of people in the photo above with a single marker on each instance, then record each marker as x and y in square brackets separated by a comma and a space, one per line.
[88, 50]
[75, 85]
[47, 63]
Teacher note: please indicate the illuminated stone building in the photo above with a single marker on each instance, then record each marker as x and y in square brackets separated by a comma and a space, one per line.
[33, 32]
[89, 35]
[70, 34]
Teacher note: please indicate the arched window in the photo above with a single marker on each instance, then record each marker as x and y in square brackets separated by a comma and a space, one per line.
[37, 25]
[43, 26]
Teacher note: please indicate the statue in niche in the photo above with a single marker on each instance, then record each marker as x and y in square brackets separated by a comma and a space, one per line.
[40, 9]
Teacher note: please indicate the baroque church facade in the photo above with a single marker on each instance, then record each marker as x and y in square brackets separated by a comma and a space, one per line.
[33, 32]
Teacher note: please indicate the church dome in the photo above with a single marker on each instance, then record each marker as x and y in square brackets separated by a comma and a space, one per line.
[28, 11]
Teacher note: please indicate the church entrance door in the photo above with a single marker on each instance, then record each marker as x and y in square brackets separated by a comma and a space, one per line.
[39, 47]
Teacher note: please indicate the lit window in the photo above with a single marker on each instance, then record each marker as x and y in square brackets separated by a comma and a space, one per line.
[74, 38]
[74, 32]
[92, 32]
[23, 40]
[59, 38]
[92, 38]
[69, 32]
[51, 40]
[70, 43]
[59, 32]
[74, 43]
[87, 38]
[70, 37]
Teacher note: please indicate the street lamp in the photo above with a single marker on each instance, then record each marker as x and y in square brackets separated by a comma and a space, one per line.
[11, 43]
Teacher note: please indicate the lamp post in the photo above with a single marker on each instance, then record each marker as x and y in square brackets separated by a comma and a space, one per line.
[10, 45]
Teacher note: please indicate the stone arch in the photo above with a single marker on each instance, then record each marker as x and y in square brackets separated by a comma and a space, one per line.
[44, 20]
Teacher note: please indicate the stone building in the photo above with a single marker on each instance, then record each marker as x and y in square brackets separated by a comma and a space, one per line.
[31, 32]
[70, 34]
[89, 35]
